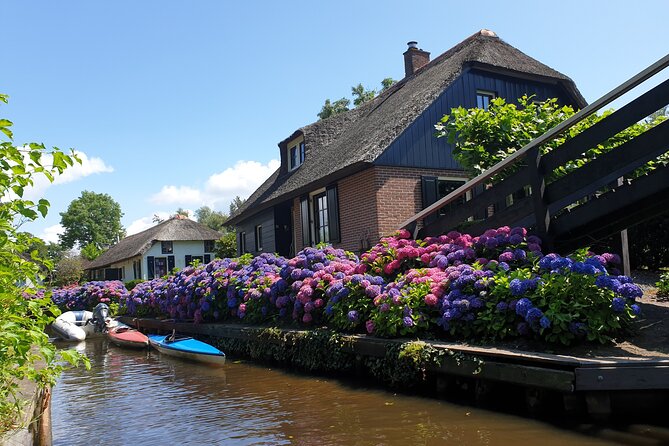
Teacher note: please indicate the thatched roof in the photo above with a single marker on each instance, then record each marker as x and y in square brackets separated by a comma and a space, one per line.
[174, 229]
[350, 141]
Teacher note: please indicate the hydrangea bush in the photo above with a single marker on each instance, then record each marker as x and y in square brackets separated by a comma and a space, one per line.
[88, 295]
[496, 286]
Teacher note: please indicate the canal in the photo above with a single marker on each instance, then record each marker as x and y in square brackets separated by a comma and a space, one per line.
[143, 398]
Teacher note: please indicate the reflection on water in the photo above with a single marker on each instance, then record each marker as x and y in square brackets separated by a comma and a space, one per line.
[142, 398]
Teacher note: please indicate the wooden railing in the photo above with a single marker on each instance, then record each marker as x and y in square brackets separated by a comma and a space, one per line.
[589, 202]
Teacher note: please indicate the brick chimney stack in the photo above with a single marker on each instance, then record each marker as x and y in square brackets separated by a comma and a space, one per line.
[414, 58]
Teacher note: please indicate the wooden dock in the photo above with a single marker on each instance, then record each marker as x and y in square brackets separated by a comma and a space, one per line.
[596, 385]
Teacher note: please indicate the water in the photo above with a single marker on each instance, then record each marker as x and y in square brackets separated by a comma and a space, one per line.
[142, 398]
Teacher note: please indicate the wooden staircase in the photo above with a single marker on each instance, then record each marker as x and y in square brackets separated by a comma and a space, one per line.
[598, 199]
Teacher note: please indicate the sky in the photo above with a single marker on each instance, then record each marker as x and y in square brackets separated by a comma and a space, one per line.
[182, 104]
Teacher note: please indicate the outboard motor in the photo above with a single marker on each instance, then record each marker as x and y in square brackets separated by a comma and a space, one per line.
[100, 317]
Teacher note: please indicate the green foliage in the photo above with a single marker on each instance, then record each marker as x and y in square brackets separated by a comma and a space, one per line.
[90, 252]
[226, 246]
[210, 218]
[360, 96]
[133, 283]
[482, 138]
[92, 218]
[387, 83]
[23, 342]
[406, 364]
[69, 270]
[236, 204]
[334, 108]
[663, 285]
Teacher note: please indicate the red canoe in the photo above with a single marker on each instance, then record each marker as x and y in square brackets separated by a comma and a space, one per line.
[125, 336]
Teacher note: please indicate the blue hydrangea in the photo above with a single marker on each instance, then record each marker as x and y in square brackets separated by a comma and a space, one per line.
[501, 307]
[523, 306]
[517, 287]
[544, 322]
[352, 315]
[629, 291]
[407, 321]
[636, 309]
[618, 305]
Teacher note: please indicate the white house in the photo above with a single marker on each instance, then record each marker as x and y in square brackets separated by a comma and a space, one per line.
[174, 243]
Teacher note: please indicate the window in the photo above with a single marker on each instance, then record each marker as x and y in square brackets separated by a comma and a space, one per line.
[258, 237]
[321, 222]
[160, 266]
[483, 98]
[296, 156]
[166, 248]
[325, 225]
[242, 242]
[209, 245]
[446, 186]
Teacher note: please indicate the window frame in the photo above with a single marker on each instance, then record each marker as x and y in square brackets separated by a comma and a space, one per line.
[258, 237]
[164, 249]
[463, 180]
[296, 155]
[209, 244]
[484, 94]
[242, 243]
[316, 199]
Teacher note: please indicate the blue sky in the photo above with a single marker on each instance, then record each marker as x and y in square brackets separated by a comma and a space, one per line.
[182, 104]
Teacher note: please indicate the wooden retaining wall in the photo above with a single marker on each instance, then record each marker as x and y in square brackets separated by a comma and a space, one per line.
[602, 386]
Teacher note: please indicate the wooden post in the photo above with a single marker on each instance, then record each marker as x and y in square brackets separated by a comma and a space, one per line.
[624, 242]
[538, 183]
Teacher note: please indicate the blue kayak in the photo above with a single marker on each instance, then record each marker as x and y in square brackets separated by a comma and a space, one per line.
[187, 348]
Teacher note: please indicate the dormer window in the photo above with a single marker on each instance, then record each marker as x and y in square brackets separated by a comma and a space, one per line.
[295, 155]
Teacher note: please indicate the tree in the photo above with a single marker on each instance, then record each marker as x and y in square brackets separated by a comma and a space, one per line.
[25, 308]
[68, 271]
[360, 96]
[236, 204]
[226, 246]
[387, 83]
[210, 218]
[91, 251]
[181, 212]
[92, 218]
[334, 108]
[482, 138]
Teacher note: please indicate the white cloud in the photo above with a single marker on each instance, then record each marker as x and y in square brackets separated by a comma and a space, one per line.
[88, 166]
[177, 195]
[144, 223]
[51, 233]
[220, 188]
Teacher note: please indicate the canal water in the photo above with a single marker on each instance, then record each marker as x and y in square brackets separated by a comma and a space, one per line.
[142, 398]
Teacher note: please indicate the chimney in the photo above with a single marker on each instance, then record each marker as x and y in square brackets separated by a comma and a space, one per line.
[414, 58]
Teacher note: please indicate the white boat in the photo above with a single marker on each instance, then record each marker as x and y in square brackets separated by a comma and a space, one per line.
[74, 325]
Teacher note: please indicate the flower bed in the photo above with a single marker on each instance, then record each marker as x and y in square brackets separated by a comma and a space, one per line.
[493, 287]
[88, 295]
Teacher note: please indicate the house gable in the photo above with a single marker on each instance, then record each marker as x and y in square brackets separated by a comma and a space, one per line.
[418, 147]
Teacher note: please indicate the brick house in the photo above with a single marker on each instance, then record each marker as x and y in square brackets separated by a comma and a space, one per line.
[354, 177]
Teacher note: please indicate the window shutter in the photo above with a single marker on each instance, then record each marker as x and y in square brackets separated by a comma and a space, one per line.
[207, 258]
[170, 263]
[189, 259]
[304, 218]
[429, 190]
[333, 214]
[149, 266]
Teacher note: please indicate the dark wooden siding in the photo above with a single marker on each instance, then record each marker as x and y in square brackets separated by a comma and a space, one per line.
[266, 219]
[418, 147]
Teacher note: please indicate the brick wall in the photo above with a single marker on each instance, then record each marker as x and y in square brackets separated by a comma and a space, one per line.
[399, 194]
[373, 203]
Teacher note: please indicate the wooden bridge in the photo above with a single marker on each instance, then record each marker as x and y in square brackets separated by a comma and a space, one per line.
[596, 200]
